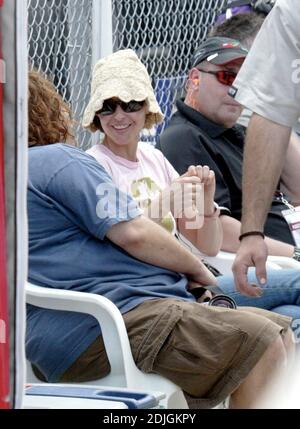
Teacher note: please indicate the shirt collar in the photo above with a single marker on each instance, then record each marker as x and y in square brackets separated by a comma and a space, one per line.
[211, 128]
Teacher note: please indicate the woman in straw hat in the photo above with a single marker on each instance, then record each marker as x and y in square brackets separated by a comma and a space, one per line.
[122, 104]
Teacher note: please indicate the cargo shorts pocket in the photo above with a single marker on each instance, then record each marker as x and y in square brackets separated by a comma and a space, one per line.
[146, 348]
[208, 356]
[207, 347]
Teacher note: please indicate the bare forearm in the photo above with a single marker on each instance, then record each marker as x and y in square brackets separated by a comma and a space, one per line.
[155, 246]
[265, 149]
[278, 248]
[231, 228]
[231, 232]
[207, 239]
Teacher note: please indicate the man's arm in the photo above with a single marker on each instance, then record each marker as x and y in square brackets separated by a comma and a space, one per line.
[231, 232]
[150, 243]
[265, 151]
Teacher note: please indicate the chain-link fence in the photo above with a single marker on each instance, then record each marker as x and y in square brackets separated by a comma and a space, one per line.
[60, 45]
[164, 33]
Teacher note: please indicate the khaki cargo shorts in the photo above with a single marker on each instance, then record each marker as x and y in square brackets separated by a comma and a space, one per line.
[207, 351]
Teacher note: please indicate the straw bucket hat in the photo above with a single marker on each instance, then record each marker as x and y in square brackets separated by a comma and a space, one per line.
[121, 75]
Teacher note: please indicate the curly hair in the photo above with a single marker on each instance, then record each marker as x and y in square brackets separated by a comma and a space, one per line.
[49, 116]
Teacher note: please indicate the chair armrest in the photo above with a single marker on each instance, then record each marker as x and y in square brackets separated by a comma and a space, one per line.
[273, 262]
[107, 314]
[284, 262]
[223, 260]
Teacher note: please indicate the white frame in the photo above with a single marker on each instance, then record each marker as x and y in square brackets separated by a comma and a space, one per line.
[21, 184]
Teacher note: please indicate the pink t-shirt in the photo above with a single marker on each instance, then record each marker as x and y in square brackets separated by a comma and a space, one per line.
[142, 179]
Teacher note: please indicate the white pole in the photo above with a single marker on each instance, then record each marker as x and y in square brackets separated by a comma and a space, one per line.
[102, 29]
[102, 37]
[21, 183]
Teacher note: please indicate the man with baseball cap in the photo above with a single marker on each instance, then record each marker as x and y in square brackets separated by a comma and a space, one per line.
[219, 51]
[204, 131]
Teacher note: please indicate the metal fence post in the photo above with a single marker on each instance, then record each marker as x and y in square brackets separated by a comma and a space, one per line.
[102, 43]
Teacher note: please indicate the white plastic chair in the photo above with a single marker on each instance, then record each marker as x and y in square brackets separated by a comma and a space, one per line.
[223, 260]
[124, 372]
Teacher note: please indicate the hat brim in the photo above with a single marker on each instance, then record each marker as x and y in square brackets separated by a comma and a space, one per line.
[121, 75]
[224, 58]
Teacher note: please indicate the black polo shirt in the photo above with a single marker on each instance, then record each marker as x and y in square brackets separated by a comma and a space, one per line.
[192, 139]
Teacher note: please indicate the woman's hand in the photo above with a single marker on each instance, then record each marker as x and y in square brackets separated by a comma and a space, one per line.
[181, 197]
[207, 178]
[184, 196]
[205, 230]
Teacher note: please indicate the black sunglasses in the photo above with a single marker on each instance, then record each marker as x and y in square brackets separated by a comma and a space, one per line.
[223, 76]
[109, 106]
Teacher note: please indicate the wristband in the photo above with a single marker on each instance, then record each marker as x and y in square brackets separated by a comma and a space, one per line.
[247, 234]
[296, 254]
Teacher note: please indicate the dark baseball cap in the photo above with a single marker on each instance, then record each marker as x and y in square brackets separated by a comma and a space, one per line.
[219, 51]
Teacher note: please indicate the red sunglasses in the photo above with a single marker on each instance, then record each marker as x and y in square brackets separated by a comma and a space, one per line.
[225, 77]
